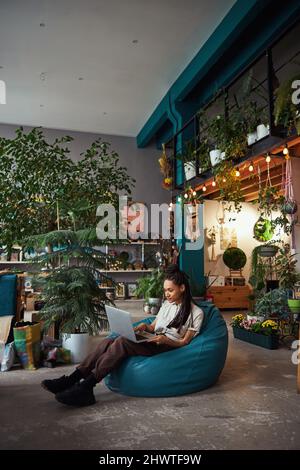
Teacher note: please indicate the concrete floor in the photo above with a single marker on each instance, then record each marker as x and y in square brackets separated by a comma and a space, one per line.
[254, 405]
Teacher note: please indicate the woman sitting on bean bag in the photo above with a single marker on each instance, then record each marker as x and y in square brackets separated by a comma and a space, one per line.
[176, 324]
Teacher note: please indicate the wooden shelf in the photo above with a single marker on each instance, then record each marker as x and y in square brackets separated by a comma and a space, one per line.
[125, 271]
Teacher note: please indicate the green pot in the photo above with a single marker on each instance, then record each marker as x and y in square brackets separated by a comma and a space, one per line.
[269, 342]
[294, 305]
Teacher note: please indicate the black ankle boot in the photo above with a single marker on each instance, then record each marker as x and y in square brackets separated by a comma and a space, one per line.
[62, 383]
[81, 394]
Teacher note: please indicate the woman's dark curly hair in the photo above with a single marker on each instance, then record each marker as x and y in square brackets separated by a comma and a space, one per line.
[173, 273]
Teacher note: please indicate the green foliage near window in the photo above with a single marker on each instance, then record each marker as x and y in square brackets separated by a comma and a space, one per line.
[286, 112]
[39, 184]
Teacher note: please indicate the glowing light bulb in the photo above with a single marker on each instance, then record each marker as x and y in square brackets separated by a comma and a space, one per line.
[268, 158]
[285, 151]
[194, 193]
[251, 167]
[237, 172]
[213, 183]
[186, 195]
[224, 180]
[204, 188]
[179, 199]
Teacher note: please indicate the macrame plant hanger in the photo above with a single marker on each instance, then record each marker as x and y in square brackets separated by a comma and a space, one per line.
[289, 199]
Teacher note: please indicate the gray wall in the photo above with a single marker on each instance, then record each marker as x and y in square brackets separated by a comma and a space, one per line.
[142, 164]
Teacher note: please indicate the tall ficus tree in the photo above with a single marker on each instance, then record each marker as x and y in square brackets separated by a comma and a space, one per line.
[39, 182]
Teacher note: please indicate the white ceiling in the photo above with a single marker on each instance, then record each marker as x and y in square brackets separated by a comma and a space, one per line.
[92, 39]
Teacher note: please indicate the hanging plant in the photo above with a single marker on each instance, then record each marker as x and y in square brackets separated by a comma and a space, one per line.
[263, 230]
[166, 169]
[229, 185]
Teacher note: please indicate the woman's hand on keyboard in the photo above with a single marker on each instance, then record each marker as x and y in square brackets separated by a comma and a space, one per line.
[141, 327]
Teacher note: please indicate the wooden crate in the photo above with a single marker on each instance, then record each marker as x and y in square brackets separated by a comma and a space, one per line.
[230, 296]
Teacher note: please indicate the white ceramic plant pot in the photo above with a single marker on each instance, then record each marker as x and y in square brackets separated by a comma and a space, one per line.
[255, 317]
[262, 131]
[252, 138]
[78, 344]
[189, 170]
[215, 156]
[154, 301]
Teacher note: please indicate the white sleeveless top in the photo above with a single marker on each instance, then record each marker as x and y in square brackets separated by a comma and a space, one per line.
[168, 312]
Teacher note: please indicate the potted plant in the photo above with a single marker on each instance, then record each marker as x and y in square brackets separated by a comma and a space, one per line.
[288, 276]
[70, 291]
[188, 158]
[150, 288]
[261, 333]
[286, 111]
[273, 304]
[217, 131]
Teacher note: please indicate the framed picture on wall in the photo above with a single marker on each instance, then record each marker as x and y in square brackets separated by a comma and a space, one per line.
[131, 286]
[120, 290]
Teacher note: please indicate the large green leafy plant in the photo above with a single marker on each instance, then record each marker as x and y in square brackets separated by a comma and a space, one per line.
[40, 186]
[71, 291]
[151, 286]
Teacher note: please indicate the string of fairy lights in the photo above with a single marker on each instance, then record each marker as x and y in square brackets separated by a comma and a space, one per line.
[191, 195]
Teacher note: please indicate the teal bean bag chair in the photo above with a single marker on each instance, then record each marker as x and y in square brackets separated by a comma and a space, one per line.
[189, 369]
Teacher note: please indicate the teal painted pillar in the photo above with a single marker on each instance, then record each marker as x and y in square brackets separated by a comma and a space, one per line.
[191, 259]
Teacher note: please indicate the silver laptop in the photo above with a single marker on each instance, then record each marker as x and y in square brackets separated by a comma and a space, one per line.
[120, 323]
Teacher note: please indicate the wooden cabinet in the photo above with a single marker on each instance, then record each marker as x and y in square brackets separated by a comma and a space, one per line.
[230, 296]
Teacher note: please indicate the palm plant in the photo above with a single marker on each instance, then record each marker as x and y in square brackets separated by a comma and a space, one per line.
[70, 291]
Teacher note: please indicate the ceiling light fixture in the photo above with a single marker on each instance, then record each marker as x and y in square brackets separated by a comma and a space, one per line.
[204, 188]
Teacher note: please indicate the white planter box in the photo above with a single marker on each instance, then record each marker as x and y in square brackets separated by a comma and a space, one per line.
[252, 138]
[78, 344]
[216, 156]
[262, 131]
[255, 317]
[189, 170]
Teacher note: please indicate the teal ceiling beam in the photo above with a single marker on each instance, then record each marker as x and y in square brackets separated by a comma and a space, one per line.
[177, 105]
[240, 14]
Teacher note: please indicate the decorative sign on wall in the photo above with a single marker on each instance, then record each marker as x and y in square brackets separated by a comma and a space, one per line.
[228, 237]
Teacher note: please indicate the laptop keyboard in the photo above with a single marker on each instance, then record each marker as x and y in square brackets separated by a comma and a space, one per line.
[139, 337]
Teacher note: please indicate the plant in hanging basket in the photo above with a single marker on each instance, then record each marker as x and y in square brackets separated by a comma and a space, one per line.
[234, 258]
[263, 230]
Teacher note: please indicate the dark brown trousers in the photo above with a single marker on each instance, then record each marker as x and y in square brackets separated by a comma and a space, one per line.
[110, 353]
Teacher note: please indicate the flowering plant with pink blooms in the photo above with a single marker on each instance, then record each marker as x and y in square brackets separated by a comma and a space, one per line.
[266, 327]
